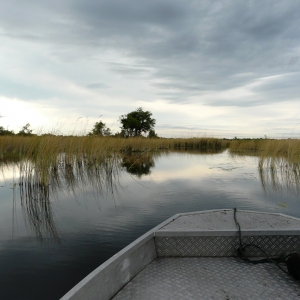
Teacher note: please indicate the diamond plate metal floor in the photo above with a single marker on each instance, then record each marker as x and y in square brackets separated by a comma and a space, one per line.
[209, 278]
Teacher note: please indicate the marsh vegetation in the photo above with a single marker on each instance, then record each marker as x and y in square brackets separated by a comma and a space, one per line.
[45, 165]
[43, 160]
[39, 157]
[279, 161]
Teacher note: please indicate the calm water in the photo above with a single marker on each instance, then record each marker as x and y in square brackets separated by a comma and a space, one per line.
[46, 248]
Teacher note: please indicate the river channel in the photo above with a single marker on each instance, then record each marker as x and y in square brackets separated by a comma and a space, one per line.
[51, 238]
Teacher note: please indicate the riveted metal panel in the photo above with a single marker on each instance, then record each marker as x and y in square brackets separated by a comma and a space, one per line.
[223, 220]
[225, 245]
[209, 278]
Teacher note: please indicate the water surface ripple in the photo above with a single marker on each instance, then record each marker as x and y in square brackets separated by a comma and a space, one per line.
[52, 238]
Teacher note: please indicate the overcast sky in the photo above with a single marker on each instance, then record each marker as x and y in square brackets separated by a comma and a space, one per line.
[215, 68]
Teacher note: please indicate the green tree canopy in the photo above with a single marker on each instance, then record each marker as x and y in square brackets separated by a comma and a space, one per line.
[100, 129]
[25, 131]
[4, 131]
[152, 134]
[137, 122]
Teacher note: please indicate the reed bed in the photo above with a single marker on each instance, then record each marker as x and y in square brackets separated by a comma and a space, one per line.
[40, 156]
[278, 174]
[50, 146]
[267, 148]
[279, 161]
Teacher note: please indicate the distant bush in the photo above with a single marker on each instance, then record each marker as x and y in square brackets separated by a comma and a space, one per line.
[25, 131]
[5, 131]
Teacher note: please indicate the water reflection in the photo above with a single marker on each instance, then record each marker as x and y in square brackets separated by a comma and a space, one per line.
[102, 176]
[139, 164]
[277, 174]
[36, 194]
[37, 209]
[75, 208]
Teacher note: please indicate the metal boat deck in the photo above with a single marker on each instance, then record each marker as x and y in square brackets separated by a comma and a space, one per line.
[193, 256]
[209, 278]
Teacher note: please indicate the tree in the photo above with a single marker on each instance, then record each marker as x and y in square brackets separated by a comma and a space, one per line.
[136, 122]
[25, 131]
[5, 131]
[152, 134]
[100, 129]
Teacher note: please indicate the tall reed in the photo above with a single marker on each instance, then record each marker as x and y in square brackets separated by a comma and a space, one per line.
[39, 156]
[267, 148]
[279, 161]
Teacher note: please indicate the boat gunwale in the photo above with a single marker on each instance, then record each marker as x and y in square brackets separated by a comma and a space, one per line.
[112, 262]
[238, 210]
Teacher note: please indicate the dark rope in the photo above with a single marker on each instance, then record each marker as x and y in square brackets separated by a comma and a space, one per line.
[242, 249]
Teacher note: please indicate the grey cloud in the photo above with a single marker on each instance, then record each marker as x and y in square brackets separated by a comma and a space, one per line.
[28, 92]
[272, 21]
[97, 85]
[241, 102]
[130, 12]
[125, 69]
[191, 47]
[281, 90]
[168, 126]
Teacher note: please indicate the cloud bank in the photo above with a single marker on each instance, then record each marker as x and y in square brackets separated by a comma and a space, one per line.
[209, 64]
